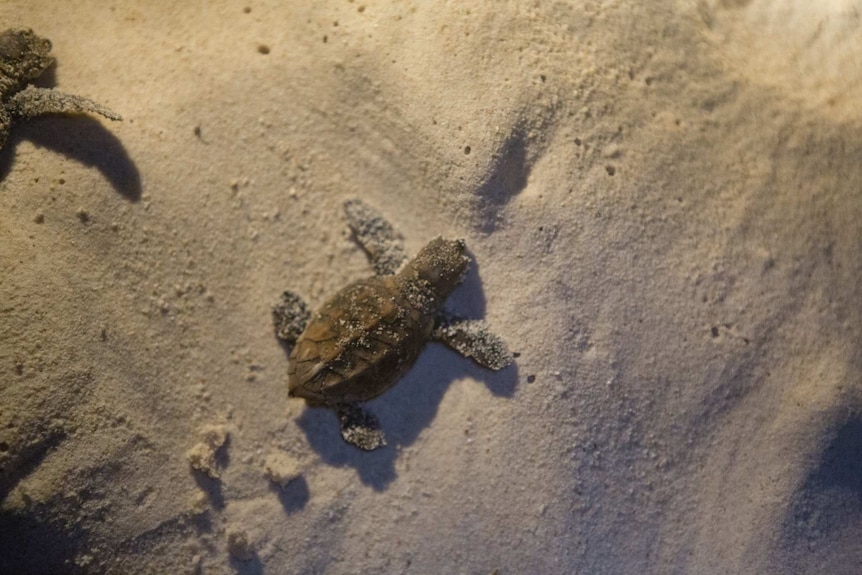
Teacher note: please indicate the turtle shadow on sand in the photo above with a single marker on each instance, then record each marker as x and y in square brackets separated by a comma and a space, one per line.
[80, 138]
[410, 406]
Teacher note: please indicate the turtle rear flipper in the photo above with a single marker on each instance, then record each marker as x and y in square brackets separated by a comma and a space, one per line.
[360, 428]
[290, 317]
[473, 339]
[376, 236]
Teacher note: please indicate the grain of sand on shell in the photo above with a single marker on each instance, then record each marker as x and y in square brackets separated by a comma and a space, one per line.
[662, 203]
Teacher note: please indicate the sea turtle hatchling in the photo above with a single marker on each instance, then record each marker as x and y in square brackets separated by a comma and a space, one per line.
[23, 57]
[369, 334]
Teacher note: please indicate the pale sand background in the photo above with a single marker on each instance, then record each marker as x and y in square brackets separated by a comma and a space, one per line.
[663, 199]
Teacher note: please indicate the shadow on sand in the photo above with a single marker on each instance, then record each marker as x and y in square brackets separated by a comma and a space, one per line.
[80, 138]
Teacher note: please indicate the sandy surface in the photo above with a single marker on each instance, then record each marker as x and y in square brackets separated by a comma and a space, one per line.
[663, 202]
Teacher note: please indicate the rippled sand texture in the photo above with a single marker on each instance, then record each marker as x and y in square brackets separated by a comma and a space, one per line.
[663, 203]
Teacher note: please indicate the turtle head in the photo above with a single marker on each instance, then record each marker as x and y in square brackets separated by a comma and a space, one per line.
[23, 56]
[439, 267]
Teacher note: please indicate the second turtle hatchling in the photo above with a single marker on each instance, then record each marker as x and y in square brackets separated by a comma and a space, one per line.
[363, 339]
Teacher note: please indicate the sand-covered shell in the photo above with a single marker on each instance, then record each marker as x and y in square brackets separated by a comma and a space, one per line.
[361, 341]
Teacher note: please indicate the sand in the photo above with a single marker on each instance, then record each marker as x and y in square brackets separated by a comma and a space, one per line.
[662, 200]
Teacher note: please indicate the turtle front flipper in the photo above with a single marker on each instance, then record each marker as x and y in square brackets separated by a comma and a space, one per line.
[31, 102]
[359, 428]
[473, 339]
[376, 236]
[290, 317]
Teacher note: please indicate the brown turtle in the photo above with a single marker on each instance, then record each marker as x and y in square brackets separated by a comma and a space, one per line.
[23, 57]
[369, 334]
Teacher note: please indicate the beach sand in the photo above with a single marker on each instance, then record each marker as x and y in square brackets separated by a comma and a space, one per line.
[662, 201]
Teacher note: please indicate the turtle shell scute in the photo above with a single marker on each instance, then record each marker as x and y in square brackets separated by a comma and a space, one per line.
[358, 344]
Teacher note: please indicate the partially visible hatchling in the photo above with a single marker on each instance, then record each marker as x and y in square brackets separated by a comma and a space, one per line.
[369, 334]
[23, 57]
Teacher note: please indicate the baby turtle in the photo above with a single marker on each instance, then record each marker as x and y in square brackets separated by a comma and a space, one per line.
[369, 334]
[23, 57]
